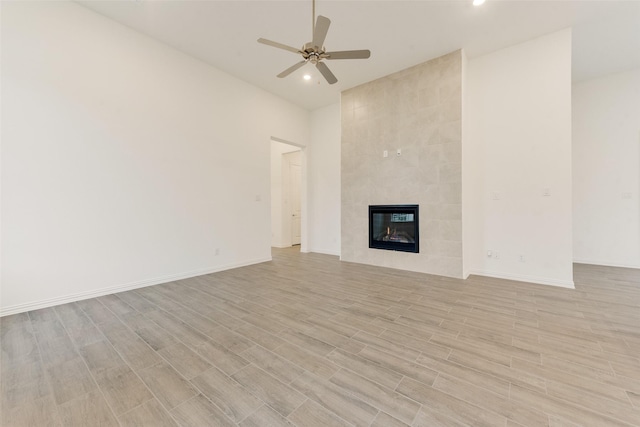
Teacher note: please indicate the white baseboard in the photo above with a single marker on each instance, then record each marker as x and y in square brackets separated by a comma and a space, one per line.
[281, 246]
[35, 305]
[523, 278]
[324, 251]
[605, 263]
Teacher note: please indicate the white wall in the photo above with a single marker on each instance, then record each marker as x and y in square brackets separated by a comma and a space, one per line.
[467, 170]
[606, 170]
[124, 162]
[517, 142]
[324, 181]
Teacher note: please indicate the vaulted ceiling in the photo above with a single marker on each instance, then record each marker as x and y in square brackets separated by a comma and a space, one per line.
[606, 35]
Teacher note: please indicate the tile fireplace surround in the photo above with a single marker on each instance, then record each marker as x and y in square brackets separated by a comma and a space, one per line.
[419, 111]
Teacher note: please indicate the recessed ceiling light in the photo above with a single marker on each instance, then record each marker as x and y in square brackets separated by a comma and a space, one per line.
[307, 77]
[478, 2]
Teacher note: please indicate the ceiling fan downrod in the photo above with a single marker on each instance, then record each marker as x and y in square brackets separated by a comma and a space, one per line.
[313, 18]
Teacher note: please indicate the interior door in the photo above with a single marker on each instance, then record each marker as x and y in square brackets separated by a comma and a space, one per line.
[296, 215]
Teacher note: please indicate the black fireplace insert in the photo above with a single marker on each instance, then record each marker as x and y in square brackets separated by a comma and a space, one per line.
[394, 227]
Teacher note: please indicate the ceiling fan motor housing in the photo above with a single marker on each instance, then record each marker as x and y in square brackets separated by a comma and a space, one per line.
[312, 53]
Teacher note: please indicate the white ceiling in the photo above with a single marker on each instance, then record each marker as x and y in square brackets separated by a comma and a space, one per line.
[606, 35]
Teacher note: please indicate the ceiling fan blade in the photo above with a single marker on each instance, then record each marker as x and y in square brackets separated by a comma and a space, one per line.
[291, 69]
[278, 45]
[326, 72]
[320, 31]
[349, 54]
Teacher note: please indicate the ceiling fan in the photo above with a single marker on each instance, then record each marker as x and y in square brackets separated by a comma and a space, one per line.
[314, 51]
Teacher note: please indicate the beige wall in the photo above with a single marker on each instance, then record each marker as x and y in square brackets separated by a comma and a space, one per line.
[418, 111]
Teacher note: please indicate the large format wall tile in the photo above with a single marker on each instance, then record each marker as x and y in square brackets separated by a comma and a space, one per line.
[417, 110]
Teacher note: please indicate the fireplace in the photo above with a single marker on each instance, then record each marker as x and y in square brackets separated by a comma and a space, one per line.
[394, 227]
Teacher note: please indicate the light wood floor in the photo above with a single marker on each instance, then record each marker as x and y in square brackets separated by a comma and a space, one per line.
[307, 340]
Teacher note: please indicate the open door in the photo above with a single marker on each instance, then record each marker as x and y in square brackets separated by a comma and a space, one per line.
[296, 215]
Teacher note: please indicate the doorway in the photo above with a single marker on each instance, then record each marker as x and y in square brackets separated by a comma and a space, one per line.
[286, 195]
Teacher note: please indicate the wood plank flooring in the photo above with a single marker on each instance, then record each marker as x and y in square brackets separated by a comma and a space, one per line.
[306, 340]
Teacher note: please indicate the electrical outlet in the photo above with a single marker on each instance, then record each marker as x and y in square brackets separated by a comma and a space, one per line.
[385, 153]
[522, 258]
[496, 255]
[217, 251]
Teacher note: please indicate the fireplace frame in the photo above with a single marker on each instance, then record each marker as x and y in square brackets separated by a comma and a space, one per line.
[395, 246]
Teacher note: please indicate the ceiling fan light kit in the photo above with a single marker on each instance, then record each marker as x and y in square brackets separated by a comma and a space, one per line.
[315, 52]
